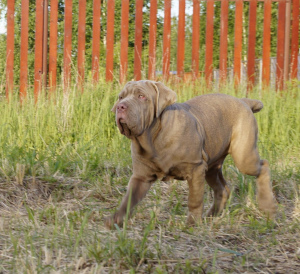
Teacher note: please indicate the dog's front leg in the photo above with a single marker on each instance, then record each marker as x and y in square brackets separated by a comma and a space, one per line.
[196, 193]
[136, 191]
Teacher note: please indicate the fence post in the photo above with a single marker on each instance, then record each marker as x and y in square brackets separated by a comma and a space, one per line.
[45, 42]
[287, 41]
[209, 41]
[38, 59]
[10, 47]
[53, 45]
[110, 40]
[67, 44]
[152, 40]
[24, 49]
[181, 39]
[96, 40]
[124, 41]
[295, 39]
[280, 45]
[81, 42]
[224, 40]
[251, 44]
[266, 44]
[167, 39]
[238, 41]
[195, 38]
[138, 40]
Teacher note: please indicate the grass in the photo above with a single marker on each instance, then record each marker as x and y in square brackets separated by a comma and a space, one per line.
[64, 167]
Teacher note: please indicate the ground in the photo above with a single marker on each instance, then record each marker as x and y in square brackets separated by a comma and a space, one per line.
[57, 226]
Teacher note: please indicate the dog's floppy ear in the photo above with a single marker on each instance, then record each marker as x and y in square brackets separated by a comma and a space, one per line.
[164, 97]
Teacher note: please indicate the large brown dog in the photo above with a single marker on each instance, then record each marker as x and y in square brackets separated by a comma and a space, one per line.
[189, 141]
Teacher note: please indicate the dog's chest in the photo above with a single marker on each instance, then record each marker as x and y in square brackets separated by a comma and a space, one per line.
[166, 170]
[178, 173]
[165, 162]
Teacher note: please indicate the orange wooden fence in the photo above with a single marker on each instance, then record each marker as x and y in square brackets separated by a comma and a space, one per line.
[10, 45]
[45, 70]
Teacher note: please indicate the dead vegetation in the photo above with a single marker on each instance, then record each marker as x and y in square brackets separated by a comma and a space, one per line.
[56, 226]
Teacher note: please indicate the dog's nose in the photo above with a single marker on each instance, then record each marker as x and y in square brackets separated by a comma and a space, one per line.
[121, 107]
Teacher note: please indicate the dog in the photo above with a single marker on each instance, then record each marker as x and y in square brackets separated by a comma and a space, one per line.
[189, 141]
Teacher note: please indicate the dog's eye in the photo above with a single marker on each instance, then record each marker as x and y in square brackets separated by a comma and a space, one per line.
[141, 96]
[120, 97]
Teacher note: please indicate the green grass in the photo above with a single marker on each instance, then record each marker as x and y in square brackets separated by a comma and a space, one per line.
[73, 135]
[64, 167]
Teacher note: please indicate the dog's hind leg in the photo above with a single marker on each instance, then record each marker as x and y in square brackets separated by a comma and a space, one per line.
[216, 181]
[265, 198]
[247, 160]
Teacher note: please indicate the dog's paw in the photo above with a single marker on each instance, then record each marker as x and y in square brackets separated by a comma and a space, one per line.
[112, 220]
[268, 206]
[211, 212]
[269, 209]
[193, 220]
[109, 222]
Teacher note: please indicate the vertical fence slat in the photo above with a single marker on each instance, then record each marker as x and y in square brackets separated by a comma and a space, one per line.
[209, 41]
[238, 41]
[10, 47]
[138, 40]
[167, 39]
[280, 45]
[53, 45]
[181, 39]
[152, 40]
[124, 40]
[251, 44]
[38, 62]
[110, 40]
[266, 43]
[67, 44]
[224, 40]
[45, 43]
[295, 39]
[96, 40]
[81, 42]
[195, 38]
[24, 48]
[287, 35]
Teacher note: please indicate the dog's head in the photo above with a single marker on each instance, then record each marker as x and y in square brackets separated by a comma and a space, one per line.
[139, 103]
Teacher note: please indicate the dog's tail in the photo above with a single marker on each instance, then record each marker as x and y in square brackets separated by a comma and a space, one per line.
[255, 105]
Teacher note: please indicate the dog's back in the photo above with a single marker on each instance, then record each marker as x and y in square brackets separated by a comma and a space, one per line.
[222, 117]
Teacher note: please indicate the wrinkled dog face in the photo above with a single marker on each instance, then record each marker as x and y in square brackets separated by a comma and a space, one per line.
[138, 104]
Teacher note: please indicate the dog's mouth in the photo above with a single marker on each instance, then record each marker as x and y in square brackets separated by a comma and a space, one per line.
[123, 127]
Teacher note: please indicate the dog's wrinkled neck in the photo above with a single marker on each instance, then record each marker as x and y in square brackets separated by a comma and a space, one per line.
[154, 129]
[145, 142]
[142, 146]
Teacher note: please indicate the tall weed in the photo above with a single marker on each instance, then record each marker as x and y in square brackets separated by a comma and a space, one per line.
[75, 134]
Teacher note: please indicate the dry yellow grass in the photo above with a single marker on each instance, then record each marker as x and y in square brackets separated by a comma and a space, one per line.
[58, 227]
